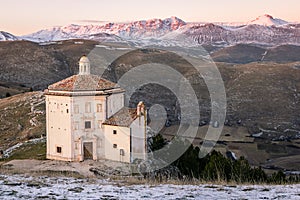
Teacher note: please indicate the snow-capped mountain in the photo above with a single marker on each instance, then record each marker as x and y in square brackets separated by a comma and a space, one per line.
[263, 30]
[152, 28]
[268, 20]
[252, 33]
[72, 32]
[4, 36]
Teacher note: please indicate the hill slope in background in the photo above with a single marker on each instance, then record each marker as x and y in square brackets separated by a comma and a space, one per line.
[22, 117]
[35, 66]
[243, 53]
[27, 65]
[240, 53]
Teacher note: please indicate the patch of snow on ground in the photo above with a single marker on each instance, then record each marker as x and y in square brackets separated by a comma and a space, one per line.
[10, 150]
[27, 187]
[257, 134]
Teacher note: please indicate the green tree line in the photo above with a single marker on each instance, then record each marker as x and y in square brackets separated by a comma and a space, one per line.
[217, 167]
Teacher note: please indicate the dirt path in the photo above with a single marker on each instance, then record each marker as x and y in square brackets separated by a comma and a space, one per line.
[53, 166]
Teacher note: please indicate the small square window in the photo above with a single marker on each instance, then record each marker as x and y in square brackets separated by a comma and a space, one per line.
[115, 146]
[122, 152]
[58, 149]
[114, 132]
[87, 125]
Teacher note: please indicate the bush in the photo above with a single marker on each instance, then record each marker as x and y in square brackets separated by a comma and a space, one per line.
[7, 94]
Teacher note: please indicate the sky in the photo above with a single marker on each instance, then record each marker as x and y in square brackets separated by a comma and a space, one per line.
[21, 17]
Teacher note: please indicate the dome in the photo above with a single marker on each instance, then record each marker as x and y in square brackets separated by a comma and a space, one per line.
[84, 59]
[84, 66]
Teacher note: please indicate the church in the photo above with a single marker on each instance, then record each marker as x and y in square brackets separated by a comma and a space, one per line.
[86, 119]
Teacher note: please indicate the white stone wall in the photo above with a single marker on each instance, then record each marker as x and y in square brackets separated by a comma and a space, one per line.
[114, 103]
[138, 137]
[135, 149]
[122, 141]
[58, 120]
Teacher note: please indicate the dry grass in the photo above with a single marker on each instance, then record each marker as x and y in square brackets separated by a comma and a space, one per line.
[15, 116]
[29, 151]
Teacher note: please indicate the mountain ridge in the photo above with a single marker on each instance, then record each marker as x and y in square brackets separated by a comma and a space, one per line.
[264, 29]
[5, 36]
[268, 20]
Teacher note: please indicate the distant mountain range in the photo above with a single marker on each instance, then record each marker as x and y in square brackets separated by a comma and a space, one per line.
[264, 30]
[4, 36]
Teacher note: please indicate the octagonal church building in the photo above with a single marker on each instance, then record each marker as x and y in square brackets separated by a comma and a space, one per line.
[86, 119]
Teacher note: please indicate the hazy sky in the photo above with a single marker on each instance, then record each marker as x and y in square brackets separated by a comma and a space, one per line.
[25, 16]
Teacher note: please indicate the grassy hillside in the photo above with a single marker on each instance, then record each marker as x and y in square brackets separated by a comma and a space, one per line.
[22, 117]
[36, 66]
[245, 53]
[240, 53]
[284, 53]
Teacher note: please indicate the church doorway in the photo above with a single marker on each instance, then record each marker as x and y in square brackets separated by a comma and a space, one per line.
[87, 150]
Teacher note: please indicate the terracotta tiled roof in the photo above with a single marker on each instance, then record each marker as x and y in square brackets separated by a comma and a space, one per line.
[123, 117]
[83, 83]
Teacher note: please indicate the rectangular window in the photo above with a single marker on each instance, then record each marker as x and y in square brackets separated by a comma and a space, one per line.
[114, 132]
[88, 107]
[99, 107]
[67, 110]
[76, 109]
[87, 125]
[115, 146]
[122, 152]
[58, 149]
